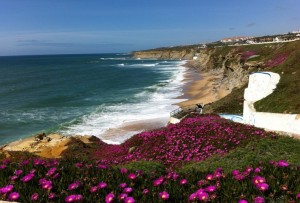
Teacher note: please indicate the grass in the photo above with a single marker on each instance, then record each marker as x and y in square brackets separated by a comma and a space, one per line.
[263, 150]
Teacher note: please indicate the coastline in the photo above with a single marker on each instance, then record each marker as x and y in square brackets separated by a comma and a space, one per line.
[197, 87]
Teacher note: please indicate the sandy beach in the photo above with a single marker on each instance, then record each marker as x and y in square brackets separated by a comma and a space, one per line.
[199, 87]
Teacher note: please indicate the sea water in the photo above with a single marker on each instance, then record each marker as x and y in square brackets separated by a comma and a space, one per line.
[83, 94]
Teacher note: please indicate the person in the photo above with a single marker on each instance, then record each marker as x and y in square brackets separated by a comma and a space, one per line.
[199, 108]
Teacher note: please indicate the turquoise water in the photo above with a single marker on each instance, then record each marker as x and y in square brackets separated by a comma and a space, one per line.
[83, 94]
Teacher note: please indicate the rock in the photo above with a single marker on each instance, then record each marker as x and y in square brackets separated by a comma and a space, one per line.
[40, 136]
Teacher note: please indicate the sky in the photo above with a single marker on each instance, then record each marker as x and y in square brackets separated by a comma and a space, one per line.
[30, 27]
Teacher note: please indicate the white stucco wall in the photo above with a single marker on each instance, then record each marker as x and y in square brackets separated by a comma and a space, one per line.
[261, 85]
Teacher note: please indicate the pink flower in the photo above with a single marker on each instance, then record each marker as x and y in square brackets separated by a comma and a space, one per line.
[259, 199]
[262, 186]
[209, 177]
[145, 191]
[74, 185]
[158, 181]
[27, 178]
[193, 197]
[102, 185]
[210, 188]
[298, 196]
[109, 198]
[123, 170]
[6, 189]
[122, 196]
[70, 198]
[18, 172]
[94, 189]
[34, 196]
[13, 196]
[258, 179]
[183, 182]
[122, 185]
[243, 201]
[203, 196]
[164, 195]
[132, 176]
[127, 190]
[282, 163]
[129, 200]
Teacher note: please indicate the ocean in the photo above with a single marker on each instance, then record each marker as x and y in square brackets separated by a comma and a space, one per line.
[83, 94]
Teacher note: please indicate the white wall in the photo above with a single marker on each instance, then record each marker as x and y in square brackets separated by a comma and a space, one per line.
[261, 85]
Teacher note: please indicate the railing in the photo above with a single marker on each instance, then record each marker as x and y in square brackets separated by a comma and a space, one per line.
[185, 110]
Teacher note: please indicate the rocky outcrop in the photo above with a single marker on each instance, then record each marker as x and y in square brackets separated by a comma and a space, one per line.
[186, 54]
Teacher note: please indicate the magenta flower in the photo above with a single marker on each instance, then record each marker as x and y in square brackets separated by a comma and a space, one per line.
[78, 197]
[109, 198]
[262, 186]
[6, 189]
[203, 196]
[13, 196]
[127, 190]
[243, 201]
[18, 172]
[70, 198]
[183, 181]
[34, 197]
[122, 196]
[298, 196]
[193, 197]
[158, 181]
[27, 178]
[51, 171]
[259, 199]
[257, 170]
[235, 172]
[129, 200]
[47, 185]
[145, 191]
[123, 170]
[282, 163]
[209, 177]
[164, 195]
[51, 195]
[74, 185]
[14, 177]
[2, 166]
[102, 185]
[210, 188]
[122, 185]
[258, 179]
[93, 189]
[132, 176]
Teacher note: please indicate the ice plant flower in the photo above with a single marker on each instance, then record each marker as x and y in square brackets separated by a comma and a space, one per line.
[145, 191]
[282, 163]
[18, 172]
[203, 196]
[127, 190]
[70, 198]
[193, 197]
[258, 179]
[183, 181]
[74, 185]
[129, 200]
[259, 199]
[102, 185]
[243, 201]
[132, 176]
[298, 196]
[209, 177]
[34, 197]
[122, 185]
[93, 189]
[27, 178]
[123, 170]
[51, 195]
[122, 196]
[13, 196]
[109, 198]
[210, 188]
[164, 195]
[6, 189]
[262, 186]
[158, 181]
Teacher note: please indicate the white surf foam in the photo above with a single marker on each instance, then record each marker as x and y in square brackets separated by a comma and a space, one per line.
[155, 104]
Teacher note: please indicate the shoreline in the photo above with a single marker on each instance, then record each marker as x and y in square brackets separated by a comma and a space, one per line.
[196, 88]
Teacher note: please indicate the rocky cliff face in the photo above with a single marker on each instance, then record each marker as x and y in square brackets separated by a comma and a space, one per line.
[229, 62]
[166, 54]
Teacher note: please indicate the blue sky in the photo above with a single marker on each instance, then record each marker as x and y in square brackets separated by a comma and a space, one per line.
[106, 26]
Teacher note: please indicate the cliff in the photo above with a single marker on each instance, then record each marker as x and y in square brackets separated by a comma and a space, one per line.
[232, 66]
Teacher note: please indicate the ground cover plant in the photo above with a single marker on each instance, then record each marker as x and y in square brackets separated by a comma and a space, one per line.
[150, 167]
